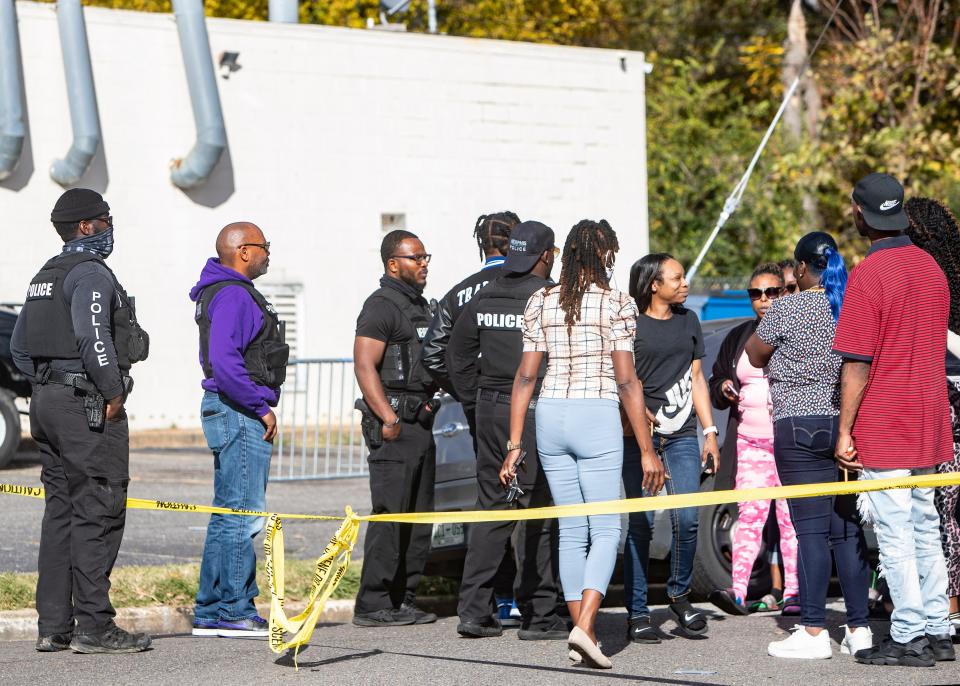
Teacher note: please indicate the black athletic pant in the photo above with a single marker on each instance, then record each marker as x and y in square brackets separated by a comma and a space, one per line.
[401, 480]
[535, 587]
[85, 475]
[507, 572]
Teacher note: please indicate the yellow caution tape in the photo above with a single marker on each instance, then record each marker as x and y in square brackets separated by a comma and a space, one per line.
[331, 566]
[670, 502]
[333, 563]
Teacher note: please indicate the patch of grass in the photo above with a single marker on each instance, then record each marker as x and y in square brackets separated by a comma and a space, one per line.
[176, 585]
[16, 590]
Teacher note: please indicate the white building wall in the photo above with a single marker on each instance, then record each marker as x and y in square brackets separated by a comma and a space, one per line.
[328, 128]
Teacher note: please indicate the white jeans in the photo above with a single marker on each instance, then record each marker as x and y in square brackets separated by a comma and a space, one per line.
[911, 556]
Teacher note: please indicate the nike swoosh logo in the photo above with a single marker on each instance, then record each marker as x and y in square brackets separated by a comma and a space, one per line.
[690, 616]
[670, 414]
[888, 205]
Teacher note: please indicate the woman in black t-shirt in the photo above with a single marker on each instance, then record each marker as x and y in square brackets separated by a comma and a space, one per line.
[667, 352]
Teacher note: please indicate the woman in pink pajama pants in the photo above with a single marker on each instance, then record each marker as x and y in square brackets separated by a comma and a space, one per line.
[746, 391]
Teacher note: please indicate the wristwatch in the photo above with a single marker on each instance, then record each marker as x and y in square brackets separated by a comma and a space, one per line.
[514, 446]
[711, 430]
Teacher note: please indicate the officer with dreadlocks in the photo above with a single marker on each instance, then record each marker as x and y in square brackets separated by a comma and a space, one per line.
[485, 350]
[492, 232]
[75, 339]
[398, 411]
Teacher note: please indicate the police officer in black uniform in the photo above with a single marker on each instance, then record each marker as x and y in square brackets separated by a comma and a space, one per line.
[492, 232]
[76, 338]
[398, 410]
[484, 354]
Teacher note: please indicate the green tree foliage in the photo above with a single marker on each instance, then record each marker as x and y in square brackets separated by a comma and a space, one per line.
[884, 109]
[706, 133]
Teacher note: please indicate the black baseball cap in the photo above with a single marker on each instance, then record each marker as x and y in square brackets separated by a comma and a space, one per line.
[528, 241]
[880, 197]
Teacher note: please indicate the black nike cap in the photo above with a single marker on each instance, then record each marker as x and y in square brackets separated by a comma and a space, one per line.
[528, 241]
[880, 197]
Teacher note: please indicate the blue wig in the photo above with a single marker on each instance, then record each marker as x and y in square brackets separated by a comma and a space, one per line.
[833, 278]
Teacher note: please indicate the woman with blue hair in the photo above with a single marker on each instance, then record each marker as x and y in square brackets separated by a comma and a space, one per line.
[794, 341]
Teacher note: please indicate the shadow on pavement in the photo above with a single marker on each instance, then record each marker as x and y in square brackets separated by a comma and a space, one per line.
[572, 671]
[287, 659]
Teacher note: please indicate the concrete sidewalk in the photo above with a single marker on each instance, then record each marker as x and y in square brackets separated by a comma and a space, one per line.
[733, 652]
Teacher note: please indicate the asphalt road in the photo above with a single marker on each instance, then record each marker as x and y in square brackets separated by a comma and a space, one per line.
[156, 538]
[733, 653]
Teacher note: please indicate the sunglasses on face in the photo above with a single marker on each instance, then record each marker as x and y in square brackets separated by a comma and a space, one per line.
[790, 288]
[771, 293]
[263, 246]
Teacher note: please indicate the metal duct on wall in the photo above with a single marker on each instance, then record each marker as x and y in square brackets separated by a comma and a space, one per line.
[284, 11]
[12, 128]
[194, 169]
[80, 92]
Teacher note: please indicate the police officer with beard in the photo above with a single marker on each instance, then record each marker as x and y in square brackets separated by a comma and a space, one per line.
[398, 410]
[484, 354]
[75, 339]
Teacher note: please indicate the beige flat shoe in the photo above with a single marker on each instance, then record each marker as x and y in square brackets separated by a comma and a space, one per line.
[580, 643]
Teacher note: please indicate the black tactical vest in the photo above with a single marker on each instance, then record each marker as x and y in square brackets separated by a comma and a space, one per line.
[401, 369]
[267, 355]
[49, 323]
[499, 318]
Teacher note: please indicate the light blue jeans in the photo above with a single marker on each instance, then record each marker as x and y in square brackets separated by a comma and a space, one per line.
[580, 442]
[241, 465]
[911, 556]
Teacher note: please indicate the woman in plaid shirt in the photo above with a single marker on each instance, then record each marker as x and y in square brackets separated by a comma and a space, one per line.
[586, 329]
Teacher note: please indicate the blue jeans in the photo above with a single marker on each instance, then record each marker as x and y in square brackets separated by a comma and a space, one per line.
[681, 459]
[911, 556]
[241, 465]
[581, 451]
[803, 450]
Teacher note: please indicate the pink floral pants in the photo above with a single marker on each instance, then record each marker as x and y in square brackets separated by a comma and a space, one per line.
[756, 469]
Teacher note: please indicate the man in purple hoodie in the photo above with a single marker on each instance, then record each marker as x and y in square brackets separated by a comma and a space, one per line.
[244, 358]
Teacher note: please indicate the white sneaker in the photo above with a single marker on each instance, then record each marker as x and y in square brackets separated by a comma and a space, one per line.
[861, 639]
[802, 646]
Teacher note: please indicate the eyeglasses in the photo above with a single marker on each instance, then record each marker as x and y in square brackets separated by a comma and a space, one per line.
[771, 293]
[263, 246]
[791, 288]
[419, 259]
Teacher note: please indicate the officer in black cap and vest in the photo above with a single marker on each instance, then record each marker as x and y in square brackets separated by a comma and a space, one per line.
[484, 354]
[398, 410]
[76, 338]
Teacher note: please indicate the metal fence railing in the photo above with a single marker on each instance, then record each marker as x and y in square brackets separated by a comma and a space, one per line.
[319, 436]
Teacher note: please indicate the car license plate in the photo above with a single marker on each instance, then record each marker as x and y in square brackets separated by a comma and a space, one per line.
[447, 534]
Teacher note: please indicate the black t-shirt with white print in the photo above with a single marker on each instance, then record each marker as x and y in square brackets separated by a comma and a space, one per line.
[664, 351]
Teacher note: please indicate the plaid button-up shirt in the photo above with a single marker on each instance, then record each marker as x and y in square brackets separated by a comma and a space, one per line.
[579, 363]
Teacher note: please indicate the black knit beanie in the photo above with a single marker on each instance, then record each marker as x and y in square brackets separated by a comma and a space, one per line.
[78, 204]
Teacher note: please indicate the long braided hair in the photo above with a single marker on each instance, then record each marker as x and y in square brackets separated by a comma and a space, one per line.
[587, 253]
[933, 228]
[492, 232]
